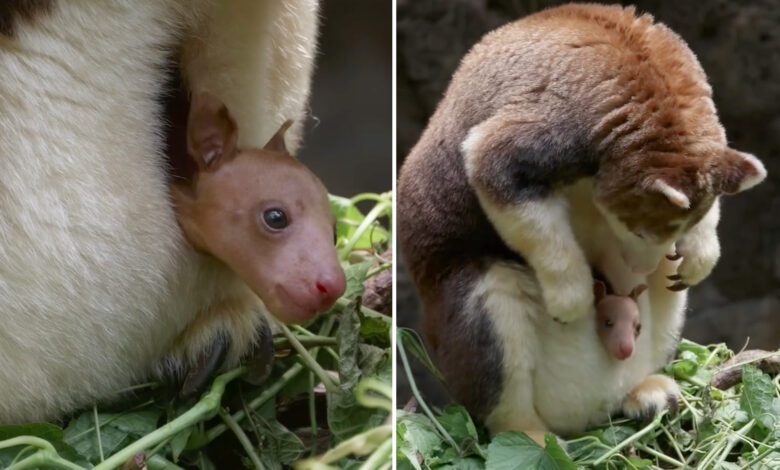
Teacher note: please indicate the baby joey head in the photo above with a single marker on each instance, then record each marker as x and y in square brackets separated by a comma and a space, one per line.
[261, 212]
[617, 320]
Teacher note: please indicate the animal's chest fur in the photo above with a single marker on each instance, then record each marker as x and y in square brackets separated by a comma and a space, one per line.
[575, 363]
[575, 381]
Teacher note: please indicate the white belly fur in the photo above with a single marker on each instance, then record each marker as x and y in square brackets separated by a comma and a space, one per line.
[571, 380]
[96, 280]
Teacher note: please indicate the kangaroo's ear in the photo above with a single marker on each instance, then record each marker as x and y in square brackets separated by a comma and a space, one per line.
[599, 290]
[737, 171]
[276, 143]
[674, 195]
[211, 133]
[637, 291]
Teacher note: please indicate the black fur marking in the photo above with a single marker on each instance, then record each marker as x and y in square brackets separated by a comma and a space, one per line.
[523, 160]
[13, 10]
[262, 358]
[209, 362]
[671, 402]
[469, 353]
[175, 100]
[441, 225]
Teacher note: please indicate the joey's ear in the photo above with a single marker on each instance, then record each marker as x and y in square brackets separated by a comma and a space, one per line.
[637, 291]
[737, 172]
[276, 143]
[599, 290]
[211, 132]
[675, 196]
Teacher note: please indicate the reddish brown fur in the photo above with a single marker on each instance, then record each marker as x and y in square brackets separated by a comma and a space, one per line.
[662, 124]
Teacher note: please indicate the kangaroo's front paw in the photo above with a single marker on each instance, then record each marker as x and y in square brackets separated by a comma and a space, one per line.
[699, 255]
[654, 394]
[570, 296]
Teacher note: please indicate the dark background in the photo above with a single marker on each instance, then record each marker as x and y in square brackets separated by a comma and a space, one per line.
[348, 139]
[738, 44]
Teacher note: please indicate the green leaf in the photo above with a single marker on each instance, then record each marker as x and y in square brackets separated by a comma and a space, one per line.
[700, 352]
[417, 437]
[587, 449]
[467, 463]
[451, 459]
[640, 463]
[46, 431]
[348, 217]
[346, 416]
[413, 344]
[179, 443]
[517, 451]
[375, 330]
[688, 368]
[280, 445]
[757, 397]
[456, 420]
[116, 431]
[614, 435]
[356, 274]
[82, 435]
[137, 423]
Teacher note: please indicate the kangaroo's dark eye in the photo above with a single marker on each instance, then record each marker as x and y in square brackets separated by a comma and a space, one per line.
[608, 323]
[638, 330]
[275, 219]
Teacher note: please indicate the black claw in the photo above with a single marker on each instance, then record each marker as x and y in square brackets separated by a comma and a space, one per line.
[209, 362]
[677, 287]
[674, 277]
[674, 257]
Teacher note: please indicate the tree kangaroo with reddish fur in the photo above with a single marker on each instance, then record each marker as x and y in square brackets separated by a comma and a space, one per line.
[581, 136]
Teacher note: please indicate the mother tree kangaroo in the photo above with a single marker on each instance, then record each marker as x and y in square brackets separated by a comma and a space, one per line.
[580, 137]
[98, 287]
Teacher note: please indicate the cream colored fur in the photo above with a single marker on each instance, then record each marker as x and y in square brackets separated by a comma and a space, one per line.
[97, 281]
[538, 229]
[700, 248]
[573, 380]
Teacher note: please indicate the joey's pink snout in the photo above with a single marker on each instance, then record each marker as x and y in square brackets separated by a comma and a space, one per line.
[329, 287]
[625, 349]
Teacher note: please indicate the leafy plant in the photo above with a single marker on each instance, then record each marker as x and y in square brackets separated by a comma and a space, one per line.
[330, 388]
[733, 429]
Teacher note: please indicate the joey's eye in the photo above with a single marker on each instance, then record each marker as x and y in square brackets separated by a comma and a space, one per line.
[639, 234]
[637, 330]
[608, 323]
[275, 219]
